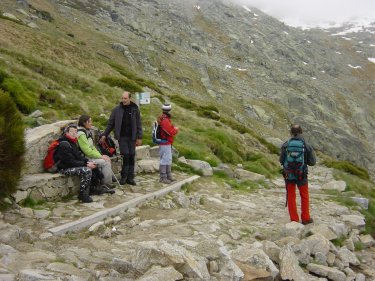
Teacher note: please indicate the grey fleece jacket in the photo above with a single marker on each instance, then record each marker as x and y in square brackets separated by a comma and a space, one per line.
[115, 122]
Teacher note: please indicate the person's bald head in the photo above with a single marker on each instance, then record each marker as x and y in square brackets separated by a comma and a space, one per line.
[125, 98]
[295, 130]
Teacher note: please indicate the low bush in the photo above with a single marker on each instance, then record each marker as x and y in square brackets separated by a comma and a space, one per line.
[12, 145]
[24, 99]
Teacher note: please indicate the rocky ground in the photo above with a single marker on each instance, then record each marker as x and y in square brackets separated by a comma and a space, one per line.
[208, 231]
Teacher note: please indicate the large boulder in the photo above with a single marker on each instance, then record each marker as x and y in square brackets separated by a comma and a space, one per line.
[37, 143]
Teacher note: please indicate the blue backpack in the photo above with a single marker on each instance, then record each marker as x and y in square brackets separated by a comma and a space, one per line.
[295, 168]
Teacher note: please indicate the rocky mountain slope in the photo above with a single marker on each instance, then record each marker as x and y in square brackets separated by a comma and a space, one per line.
[252, 67]
[209, 231]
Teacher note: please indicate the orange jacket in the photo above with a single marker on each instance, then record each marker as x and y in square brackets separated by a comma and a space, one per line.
[168, 131]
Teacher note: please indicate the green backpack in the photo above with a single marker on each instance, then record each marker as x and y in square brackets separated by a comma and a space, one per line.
[294, 163]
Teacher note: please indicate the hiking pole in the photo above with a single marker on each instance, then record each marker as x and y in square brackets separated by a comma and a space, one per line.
[116, 178]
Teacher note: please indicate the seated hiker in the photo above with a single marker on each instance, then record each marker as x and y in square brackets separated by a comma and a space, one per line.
[86, 144]
[70, 162]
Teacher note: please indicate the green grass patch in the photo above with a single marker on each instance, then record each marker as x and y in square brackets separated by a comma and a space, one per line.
[243, 129]
[339, 242]
[132, 76]
[262, 164]
[359, 246]
[349, 168]
[365, 188]
[246, 186]
[23, 97]
[123, 83]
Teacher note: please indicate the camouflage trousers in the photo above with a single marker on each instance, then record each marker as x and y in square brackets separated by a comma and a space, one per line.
[84, 174]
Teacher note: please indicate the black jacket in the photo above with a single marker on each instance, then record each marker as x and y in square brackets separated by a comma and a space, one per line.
[115, 122]
[68, 155]
[309, 156]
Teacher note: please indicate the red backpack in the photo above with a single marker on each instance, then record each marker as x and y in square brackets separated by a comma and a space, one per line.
[49, 163]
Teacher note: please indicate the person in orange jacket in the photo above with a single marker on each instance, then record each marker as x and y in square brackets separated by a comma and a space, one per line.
[168, 131]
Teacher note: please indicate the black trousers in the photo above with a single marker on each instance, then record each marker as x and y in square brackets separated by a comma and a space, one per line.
[127, 150]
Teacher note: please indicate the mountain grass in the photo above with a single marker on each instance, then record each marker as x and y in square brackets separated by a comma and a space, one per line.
[362, 187]
[349, 168]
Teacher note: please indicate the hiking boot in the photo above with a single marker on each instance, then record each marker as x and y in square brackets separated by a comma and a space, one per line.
[169, 173]
[123, 181]
[85, 198]
[307, 222]
[165, 180]
[97, 190]
[131, 182]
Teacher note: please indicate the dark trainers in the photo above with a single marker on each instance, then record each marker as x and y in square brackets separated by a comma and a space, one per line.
[131, 182]
[165, 180]
[307, 222]
[123, 181]
[84, 198]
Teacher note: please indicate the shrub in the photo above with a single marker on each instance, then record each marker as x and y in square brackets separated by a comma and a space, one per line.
[23, 98]
[3, 75]
[123, 83]
[349, 168]
[12, 145]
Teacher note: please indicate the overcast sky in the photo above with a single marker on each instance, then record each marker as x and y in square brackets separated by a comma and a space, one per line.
[315, 12]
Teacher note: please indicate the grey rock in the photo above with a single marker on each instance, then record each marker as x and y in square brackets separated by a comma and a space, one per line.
[325, 271]
[367, 240]
[34, 275]
[363, 202]
[354, 221]
[242, 174]
[347, 257]
[317, 244]
[10, 16]
[162, 253]
[181, 200]
[323, 230]
[254, 260]
[335, 185]
[157, 273]
[69, 270]
[202, 166]
[293, 229]
[36, 113]
[289, 265]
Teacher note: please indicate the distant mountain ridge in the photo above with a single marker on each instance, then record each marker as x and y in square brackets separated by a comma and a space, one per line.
[254, 68]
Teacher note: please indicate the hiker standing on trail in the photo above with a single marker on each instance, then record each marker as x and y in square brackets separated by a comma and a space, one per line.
[70, 162]
[125, 119]
[295, 155]
[167, 132]
[86, 144]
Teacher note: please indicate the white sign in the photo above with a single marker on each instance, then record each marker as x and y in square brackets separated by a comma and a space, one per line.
[144, 98]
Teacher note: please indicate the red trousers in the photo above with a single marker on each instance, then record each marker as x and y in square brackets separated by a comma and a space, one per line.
[292, 206]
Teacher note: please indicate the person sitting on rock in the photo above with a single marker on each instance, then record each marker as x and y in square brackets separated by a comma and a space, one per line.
[70, 162]
[86, 144]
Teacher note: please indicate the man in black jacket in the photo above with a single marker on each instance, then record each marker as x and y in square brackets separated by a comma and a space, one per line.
[126, 120]
[70, 162]
[295, 155]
